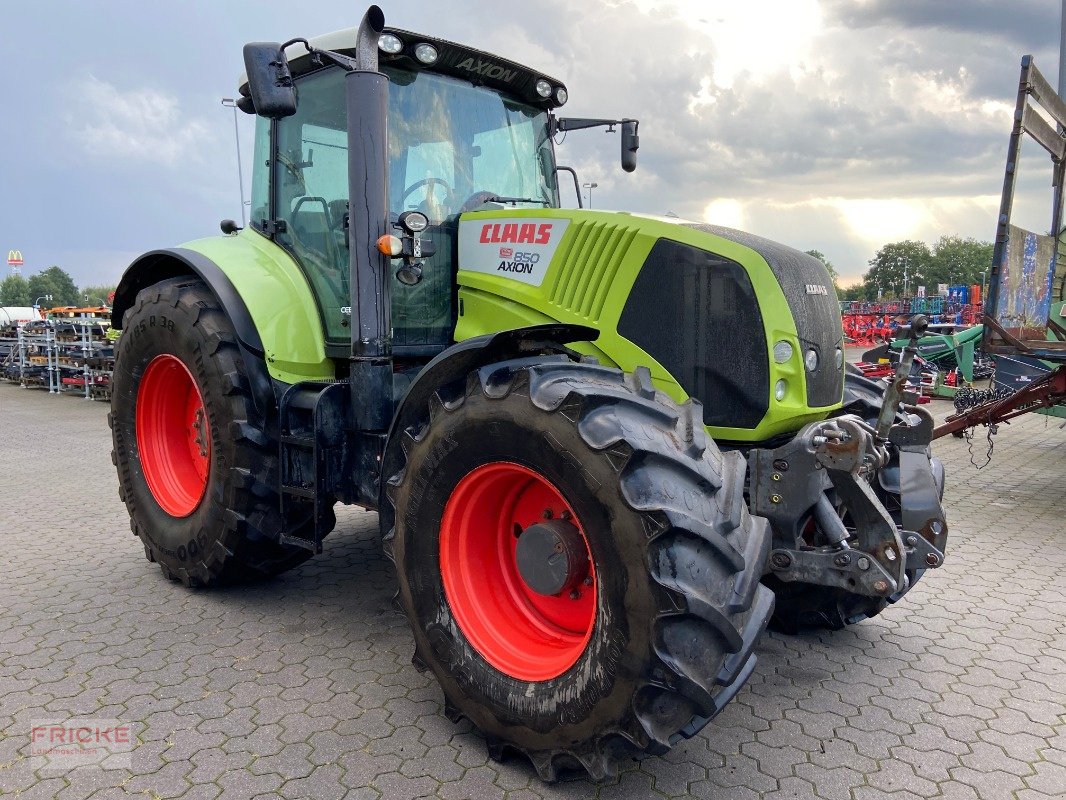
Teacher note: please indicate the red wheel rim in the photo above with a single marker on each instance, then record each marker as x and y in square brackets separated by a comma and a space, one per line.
[173, 436]
[523, 634]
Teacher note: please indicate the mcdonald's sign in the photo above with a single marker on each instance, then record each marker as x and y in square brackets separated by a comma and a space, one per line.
[14, 258]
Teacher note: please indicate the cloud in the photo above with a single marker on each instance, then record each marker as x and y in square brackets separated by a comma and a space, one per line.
[841, 126]
[823, 124]
[140, 124]
[1014, 21]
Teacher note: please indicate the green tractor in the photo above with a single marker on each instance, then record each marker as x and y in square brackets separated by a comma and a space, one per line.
[598, 443]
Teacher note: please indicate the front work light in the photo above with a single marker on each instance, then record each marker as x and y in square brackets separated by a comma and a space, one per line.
[810, 360]
[544, 89]
[782, 352]
[426, 53]
[388, 43]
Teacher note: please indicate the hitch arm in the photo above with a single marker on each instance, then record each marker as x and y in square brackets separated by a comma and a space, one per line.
[919, 325]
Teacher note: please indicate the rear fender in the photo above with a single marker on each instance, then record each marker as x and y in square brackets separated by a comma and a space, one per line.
[161, 265]
[266, 295]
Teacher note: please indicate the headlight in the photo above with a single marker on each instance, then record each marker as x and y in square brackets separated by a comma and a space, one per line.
[390, 44]
[561, 96]
[782, 352]
[413, 221]
[426, 53]
[544, 89]
[810, 360]
[779, 389]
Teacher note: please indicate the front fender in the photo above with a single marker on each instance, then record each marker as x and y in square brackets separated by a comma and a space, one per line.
[455, 364]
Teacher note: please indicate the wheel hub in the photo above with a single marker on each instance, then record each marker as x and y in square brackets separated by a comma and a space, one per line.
[173, 435]
[526, 615]
[552, 557]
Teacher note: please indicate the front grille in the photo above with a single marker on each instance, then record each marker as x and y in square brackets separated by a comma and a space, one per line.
[578, 288]
[696, 313]
[817, 316]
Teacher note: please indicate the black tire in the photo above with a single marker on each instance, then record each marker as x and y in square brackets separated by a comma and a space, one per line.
[232, 535]
[678, 560]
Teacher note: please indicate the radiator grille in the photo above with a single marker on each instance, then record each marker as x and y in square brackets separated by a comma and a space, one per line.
[590, 260]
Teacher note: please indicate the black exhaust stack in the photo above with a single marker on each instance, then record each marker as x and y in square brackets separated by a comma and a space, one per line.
[367, 97]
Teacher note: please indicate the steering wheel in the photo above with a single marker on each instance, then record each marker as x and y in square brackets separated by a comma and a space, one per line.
[431, 184]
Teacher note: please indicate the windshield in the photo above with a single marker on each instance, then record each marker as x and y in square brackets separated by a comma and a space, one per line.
[452, 145]
[450, 142]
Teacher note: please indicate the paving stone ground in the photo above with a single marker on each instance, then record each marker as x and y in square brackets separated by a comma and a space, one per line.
[302, 687]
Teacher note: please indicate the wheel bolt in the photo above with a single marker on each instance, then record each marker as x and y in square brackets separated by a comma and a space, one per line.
[566, 515]
[575, 594]
[547, 513]
[588, 580]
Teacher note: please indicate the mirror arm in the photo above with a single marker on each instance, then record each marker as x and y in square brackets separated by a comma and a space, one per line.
[581, 123]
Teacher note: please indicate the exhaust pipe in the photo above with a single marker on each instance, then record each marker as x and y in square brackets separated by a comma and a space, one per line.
[366, 40]
[367, 98]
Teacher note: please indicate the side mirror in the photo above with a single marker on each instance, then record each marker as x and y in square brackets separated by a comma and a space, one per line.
[269, 80]
[630, 143]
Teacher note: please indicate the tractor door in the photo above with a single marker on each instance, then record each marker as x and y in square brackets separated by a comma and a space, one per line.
[451, 145]
[307, 174]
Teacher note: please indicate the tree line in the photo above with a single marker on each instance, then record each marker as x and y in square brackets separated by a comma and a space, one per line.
[899, 268]
[53, 282]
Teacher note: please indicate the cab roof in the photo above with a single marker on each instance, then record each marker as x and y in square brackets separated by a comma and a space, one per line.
[460, 61]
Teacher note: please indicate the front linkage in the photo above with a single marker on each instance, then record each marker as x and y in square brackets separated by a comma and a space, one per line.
[835, 462]
[855, 507]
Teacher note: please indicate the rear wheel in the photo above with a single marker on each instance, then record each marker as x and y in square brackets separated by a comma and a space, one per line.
[577, 561]
[197, 466]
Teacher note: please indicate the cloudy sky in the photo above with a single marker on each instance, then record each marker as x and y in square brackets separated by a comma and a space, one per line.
[830, 124]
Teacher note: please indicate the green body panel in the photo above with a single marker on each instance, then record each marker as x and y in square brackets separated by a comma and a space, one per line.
[588, 282]
[279, 300]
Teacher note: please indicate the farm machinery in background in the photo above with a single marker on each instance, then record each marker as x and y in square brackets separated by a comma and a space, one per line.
[1020, 343]
[1023, 329]
[869, 323]
[947, 358]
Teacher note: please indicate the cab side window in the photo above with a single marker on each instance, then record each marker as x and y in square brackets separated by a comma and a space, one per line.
[310, 185]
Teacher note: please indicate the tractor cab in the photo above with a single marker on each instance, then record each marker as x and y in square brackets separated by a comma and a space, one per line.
[465, 130]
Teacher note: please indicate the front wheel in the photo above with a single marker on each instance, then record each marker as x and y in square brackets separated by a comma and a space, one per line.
[577, 562]
[197, 467]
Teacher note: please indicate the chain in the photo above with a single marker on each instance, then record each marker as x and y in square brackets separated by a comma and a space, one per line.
[966, 397]
[968, 435]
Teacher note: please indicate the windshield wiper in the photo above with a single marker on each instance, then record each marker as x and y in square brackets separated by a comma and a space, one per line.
[514, 200]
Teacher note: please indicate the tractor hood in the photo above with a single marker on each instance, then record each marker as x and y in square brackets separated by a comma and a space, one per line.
[704, 307]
